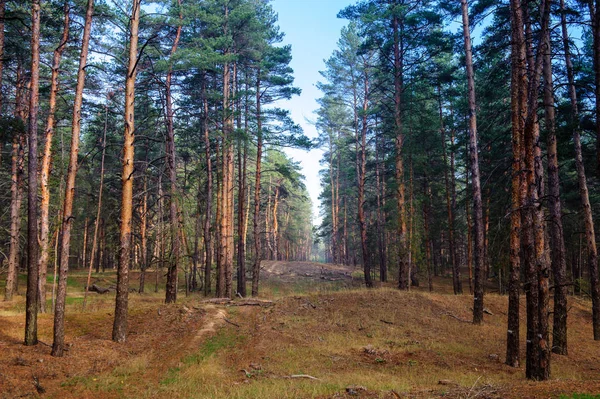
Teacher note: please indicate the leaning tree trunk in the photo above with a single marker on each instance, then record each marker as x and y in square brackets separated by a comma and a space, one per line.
[557, 243]
[475, 178]
[67, 212]
[119, 333]
[590, 234]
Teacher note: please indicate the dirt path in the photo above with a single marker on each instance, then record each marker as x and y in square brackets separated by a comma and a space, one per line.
[290, 272]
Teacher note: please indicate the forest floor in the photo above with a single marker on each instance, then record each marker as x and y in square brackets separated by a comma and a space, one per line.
[321, 337]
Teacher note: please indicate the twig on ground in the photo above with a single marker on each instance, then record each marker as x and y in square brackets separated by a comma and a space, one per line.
[231, 322]
[456, 317]
[310, 377]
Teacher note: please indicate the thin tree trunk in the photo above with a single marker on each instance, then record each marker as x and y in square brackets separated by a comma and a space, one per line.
[426, 217]
[242, 162]
[449, 205]
[16, 190]
[559, 266]
[143, 235]
[67, 212]
[2, 12]
[334, 228]
[208, 215]
[361, 170]
[475, 178]
[469, 223]
[46, 163]
[594, 7]
[119, 333]
[256, 216]
[590, 234]
[398, 76]
[171, 289]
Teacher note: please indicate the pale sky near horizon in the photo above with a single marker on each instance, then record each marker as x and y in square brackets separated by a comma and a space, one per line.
[313, 29]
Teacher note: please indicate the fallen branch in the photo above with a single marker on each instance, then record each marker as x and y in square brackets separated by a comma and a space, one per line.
[243, 302]
[231, 322]
[456, 317]
[386, 322]
[252, 302]
[310, 377]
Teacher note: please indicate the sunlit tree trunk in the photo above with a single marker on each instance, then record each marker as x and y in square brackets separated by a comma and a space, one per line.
[46, 163]
[119, 333]
[208, 215]
[67, 212]
[32, 299]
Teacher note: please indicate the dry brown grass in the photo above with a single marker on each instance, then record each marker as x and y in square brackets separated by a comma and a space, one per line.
[382, 340]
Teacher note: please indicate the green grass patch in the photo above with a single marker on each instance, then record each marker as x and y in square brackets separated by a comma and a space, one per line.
[222, 340]
[580, 396]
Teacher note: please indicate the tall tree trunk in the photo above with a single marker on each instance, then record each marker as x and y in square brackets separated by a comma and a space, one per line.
[16, 190]
[361, 170]
[119, 333]
[46, 163]
[534, 257]
[171, 289]
[590, 234]
[559, 266]
[398, 77]
[143, 235]
[469, 222]
[67, 212]
[594, 7]
[32, 300]
[380, 214]
[276, 222]
[426, 217]
[449, 205]
[518, 110]
[242, 162]
[208, 215]
[256, 216]
[475, 178]
[2, 12]
[224, 289]
[334, 229]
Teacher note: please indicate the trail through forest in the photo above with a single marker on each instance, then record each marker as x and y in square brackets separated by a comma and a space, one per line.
[311, 335]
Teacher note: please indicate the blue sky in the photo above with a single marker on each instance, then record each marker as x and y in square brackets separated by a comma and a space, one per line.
[312, 28]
